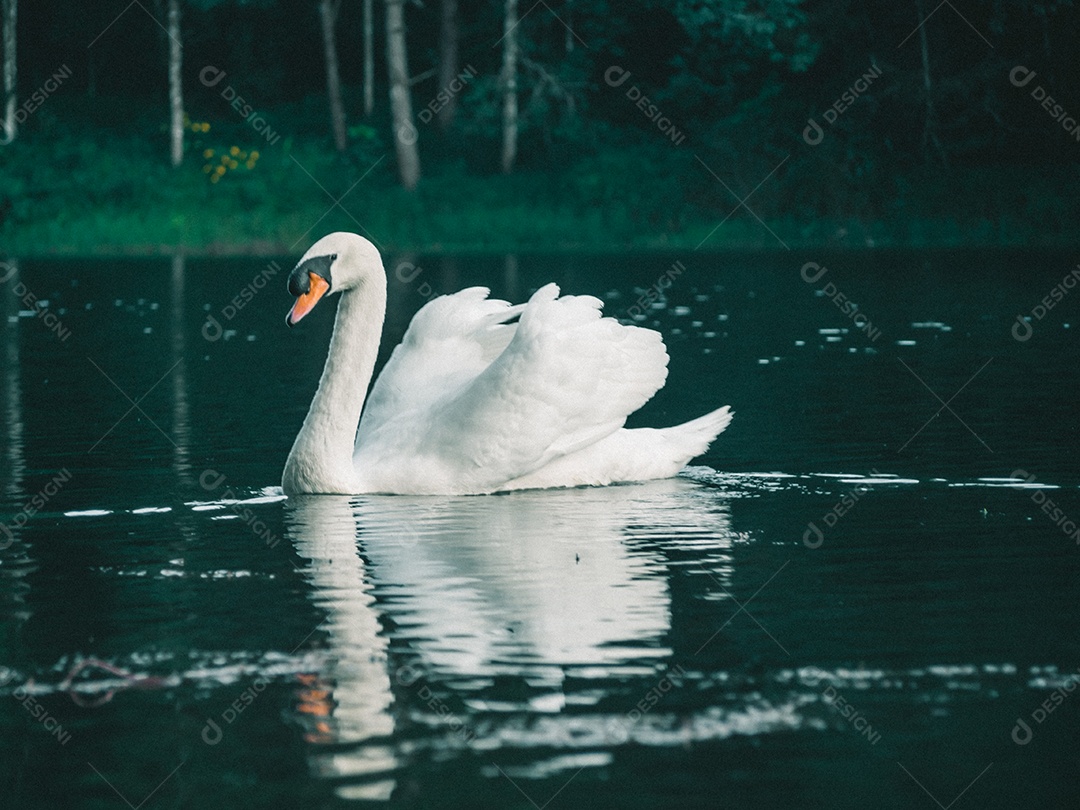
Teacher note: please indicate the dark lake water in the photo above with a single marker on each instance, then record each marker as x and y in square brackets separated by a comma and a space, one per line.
[848, 602]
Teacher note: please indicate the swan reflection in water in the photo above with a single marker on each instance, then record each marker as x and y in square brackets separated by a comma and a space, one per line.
[461, 592]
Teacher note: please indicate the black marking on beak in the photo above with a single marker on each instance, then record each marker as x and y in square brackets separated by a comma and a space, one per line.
[299, 283]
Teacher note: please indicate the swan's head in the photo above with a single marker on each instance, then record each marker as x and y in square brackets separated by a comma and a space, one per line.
[338, 262]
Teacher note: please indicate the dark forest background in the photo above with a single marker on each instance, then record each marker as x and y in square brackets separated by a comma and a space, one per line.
[941, 147]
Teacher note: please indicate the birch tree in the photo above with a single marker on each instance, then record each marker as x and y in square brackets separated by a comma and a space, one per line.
[369, 56]
[9, 11]
[509, 86]
[929, 130]
[176, 93]
[328, 12]
[405, 134]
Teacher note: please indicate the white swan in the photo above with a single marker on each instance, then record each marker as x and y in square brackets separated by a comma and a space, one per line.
[472, 404]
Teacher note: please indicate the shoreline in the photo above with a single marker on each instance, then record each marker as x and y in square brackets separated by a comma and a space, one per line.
[19, 247]
[69, 198]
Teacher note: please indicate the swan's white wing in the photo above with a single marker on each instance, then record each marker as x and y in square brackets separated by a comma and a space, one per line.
[566, 379]
[449, 342]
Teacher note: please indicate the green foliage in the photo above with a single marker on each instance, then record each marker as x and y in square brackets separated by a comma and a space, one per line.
[977, 160]
[84, 195]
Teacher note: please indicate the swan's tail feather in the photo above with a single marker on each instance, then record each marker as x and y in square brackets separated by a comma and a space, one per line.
[693, 438]
[639, 454]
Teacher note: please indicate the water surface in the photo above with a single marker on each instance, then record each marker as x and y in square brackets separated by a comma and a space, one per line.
[848, 601]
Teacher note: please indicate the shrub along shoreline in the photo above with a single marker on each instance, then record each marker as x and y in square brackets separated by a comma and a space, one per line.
[96, 197]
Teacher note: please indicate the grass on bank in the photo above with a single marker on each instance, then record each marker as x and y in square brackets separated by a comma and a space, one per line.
[237, 194]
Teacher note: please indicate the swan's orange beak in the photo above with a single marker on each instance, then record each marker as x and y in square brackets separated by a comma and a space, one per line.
[306, 302]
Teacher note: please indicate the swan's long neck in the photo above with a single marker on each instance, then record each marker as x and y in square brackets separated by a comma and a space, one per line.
[321, 457]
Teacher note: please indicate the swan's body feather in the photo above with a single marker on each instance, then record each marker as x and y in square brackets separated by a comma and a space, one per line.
[470, 403]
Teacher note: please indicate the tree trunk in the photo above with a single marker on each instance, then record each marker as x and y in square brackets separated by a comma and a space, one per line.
[509, 87]
[10, 99]
[929, 132]
[176, 93]
[405, 134]
[448, 59]
[328, 11]
[369, 56]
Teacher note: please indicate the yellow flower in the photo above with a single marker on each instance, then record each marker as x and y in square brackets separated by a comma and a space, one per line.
[206, 127]
[233, 164]
[250, 164]
[220, 170]
[208, 153]
[234, 150]
[254, 154]
[206, 168]
[215, 178]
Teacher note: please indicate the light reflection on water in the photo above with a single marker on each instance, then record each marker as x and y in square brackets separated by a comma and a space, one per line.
[528, 587]
[565, 595]
[534, 621]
